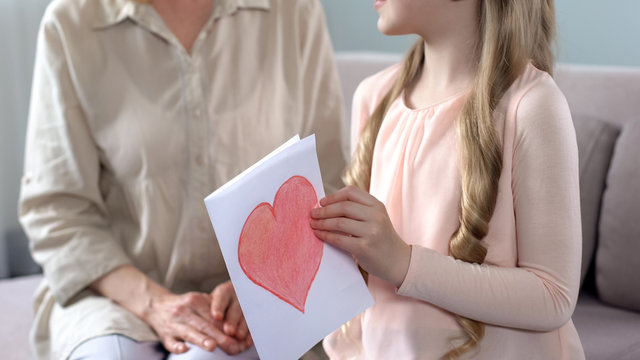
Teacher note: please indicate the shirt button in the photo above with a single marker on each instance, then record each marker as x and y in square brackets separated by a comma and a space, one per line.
[204, 227]
[199, 160]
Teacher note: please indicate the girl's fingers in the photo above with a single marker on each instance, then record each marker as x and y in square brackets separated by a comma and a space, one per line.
[343, 225]
[349, 193]
[348, 209]
[341, 241]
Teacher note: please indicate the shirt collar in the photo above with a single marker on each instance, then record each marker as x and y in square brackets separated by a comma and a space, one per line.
[111, 12]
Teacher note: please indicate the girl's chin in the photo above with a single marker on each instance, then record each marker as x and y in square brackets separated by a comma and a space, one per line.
[387, 29]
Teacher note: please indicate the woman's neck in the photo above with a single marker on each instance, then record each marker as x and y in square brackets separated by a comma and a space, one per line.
[185, 18]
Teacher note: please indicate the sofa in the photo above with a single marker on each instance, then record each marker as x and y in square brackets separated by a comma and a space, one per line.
[605, 104]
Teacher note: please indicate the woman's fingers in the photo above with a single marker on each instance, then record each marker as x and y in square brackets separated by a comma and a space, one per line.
[243, 331]
[233, 318]
[174, 345]
[206, 328]
[200, 316]
[209, 337]
[225, 306]
[187, 318]
[221, 298]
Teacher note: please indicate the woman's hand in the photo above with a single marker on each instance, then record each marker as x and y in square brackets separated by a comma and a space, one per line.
[187, 318]
[175, 318]
[357, 222]
[225, 308]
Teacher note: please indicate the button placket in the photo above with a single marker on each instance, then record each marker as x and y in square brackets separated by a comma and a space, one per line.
[198, 143]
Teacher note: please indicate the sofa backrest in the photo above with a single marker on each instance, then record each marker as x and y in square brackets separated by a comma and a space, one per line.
[604, 101]
[605, 105]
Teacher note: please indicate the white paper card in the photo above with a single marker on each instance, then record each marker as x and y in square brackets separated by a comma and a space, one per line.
[294, 290]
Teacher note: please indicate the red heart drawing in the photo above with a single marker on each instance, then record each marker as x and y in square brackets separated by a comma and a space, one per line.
[277, 249]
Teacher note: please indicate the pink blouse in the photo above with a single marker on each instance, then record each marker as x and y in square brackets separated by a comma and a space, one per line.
[526, 290]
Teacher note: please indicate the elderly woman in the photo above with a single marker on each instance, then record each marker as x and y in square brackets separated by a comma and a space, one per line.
[139, 110]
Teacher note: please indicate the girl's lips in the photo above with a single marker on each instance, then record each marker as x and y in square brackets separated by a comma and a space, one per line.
[378, 4]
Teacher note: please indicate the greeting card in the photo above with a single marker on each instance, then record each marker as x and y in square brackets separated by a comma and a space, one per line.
[293, 288]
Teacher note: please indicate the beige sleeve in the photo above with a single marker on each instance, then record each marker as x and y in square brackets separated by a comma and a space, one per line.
[540, 293]
[323, 104]
[61, 207]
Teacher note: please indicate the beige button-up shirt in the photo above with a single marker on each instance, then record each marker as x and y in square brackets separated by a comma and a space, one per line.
[128, 133]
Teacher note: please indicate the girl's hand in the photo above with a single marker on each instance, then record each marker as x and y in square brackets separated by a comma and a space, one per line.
[357, 222]
[225, 308]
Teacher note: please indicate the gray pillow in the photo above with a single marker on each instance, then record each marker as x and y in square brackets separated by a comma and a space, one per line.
[596, 140]
[618, 253]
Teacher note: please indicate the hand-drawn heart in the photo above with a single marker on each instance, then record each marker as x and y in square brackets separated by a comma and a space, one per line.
[277, 249]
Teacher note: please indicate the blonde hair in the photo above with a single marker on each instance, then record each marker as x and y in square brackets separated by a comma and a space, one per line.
[512, 34]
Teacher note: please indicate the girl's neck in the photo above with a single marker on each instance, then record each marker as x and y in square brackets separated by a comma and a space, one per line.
[450, 65]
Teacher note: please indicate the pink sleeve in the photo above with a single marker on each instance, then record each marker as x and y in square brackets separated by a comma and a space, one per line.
[367, 96]
[365, 99]
[540, 293]
[359, 116]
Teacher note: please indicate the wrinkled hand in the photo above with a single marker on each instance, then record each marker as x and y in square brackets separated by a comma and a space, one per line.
[357, 222]
[187, 318]
[225, 308]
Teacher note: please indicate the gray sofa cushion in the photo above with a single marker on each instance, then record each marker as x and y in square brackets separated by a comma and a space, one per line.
[596, 140]
[16, 312]
[606, 332]
[618, 254]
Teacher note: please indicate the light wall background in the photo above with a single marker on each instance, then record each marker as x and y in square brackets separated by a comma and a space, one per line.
[19, 22]
[589, 31]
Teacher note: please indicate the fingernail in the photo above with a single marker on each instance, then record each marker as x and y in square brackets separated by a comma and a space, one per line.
[208, 344]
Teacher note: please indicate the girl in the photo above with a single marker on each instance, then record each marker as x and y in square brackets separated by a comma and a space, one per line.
[464, 204]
